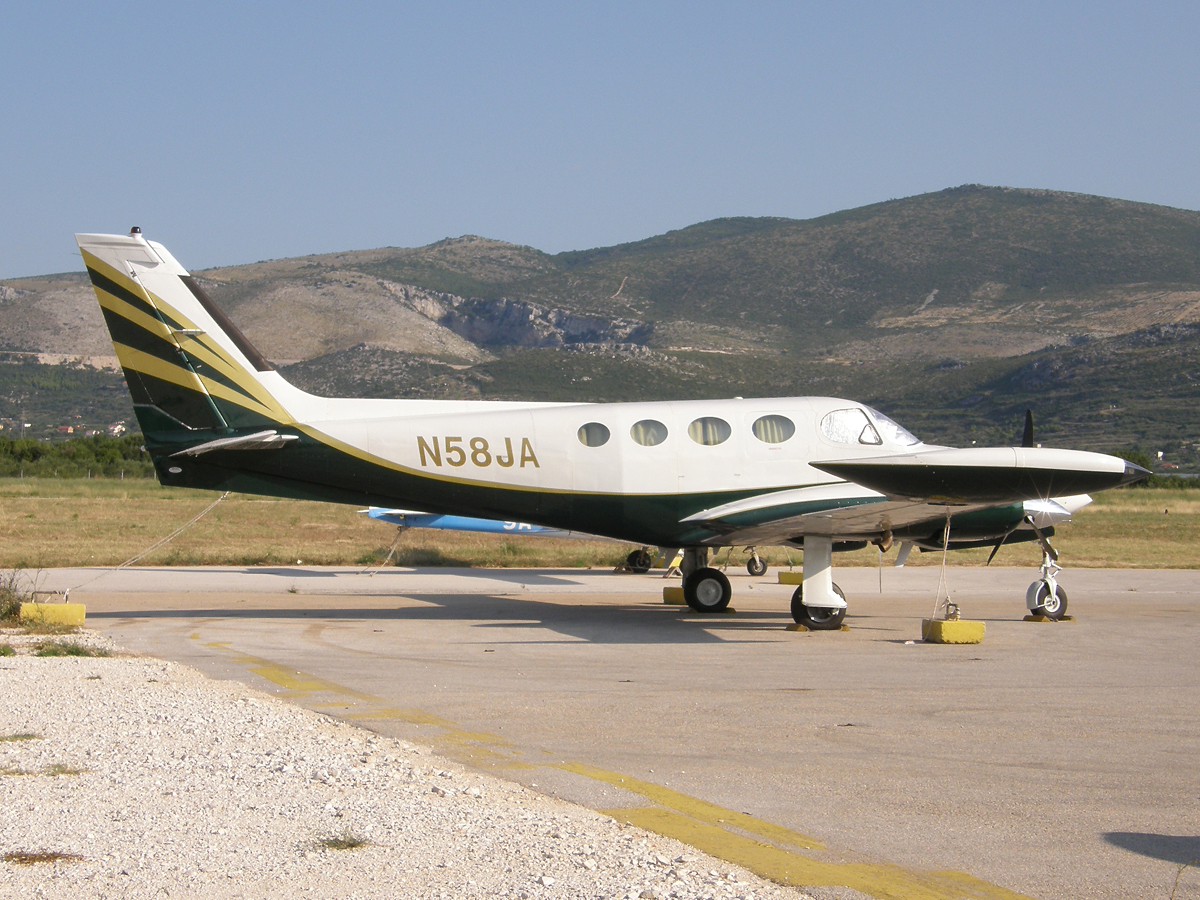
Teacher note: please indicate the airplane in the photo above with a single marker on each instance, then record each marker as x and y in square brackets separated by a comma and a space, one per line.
[817, 473]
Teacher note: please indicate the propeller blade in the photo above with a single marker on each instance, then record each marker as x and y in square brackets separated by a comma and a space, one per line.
[1027, 437]
[996, 549]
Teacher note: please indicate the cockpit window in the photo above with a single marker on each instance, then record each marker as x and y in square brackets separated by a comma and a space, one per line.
[849, 426]
[893, 432]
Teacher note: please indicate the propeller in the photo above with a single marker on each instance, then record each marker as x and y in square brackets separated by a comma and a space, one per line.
[996, 549]
[1026, 441]
[1027, 437]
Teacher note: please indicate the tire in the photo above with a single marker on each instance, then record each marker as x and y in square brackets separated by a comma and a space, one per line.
[1051, 607]
[639, 561]
[707, 590]
[817, 618]
[756, 566]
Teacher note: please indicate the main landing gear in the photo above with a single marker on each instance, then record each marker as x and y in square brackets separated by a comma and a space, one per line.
[639, 561]
[705, 589]
[817, 604]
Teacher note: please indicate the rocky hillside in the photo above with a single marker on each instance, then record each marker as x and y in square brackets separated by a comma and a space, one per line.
[957, 307]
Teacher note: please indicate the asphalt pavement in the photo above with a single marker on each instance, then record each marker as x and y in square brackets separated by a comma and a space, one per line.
[1054, 760]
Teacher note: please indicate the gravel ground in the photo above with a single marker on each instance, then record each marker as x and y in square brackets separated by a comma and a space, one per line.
[160, 782]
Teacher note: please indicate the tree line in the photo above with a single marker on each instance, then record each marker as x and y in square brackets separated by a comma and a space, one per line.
[98, 456]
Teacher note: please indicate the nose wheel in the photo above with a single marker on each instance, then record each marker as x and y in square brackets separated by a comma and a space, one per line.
[1045, 597]
[1051, 603]
[756, 565]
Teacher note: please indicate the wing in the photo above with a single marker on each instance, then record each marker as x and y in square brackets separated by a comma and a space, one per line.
[909, 496]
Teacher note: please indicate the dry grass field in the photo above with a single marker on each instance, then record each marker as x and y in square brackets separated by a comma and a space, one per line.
[47, 523]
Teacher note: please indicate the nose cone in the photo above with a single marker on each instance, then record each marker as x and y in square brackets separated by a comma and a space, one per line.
[1134, 473]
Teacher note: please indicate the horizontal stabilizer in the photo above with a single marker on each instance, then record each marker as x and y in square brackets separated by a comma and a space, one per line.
[261, 440]
[986, 475]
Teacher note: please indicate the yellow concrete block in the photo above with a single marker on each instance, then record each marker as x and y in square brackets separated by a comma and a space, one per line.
[952, 631]
[1048, 619]
[674, 596]
[791, 577]
[69, 614]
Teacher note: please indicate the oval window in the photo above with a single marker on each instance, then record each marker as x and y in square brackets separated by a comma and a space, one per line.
[593, 434]
[709, 431]
[773, 429]
[648, 432]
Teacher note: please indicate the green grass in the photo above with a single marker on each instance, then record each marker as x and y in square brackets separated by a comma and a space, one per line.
[1123, 528]
[7, 650]
[60, 648]
[13, 592]
[23, 736]
[347, 840]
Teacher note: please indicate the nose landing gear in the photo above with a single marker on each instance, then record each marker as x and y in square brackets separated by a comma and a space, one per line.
[756, 565]
[1045, 597]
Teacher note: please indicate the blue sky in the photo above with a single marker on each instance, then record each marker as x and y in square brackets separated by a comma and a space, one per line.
[234, 132]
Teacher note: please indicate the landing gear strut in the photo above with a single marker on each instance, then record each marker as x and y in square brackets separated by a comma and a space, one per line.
[817, 618]
[818, 604]
[1045, 597]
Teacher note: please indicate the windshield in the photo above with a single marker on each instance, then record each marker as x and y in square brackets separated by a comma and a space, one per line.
[891, 431]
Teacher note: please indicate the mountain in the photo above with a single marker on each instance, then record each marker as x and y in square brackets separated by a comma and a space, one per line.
[955, 310]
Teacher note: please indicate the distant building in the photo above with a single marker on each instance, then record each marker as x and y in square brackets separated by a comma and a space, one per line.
[116, 430]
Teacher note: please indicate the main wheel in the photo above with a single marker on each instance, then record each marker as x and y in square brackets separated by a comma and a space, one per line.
[756, 565]
[639, 561]
[1051, 607]
[817, 618]
[707, 590]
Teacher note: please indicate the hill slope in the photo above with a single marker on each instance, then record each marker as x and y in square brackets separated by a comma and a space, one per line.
[956, 308]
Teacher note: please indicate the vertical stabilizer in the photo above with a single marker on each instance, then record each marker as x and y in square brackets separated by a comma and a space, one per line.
[191, 372]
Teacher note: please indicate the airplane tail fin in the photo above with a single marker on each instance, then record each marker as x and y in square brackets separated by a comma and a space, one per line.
[192, 374]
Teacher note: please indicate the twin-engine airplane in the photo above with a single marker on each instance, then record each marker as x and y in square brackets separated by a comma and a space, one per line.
[816, 473]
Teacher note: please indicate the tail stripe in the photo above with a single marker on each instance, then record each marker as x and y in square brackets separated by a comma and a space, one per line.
[140, 361]
[106, 284]
[133, 335]
[143, 331]
[132, 329]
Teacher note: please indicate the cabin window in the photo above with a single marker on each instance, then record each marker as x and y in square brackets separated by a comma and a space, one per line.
[648, 432]
[773, 429]
[893, 432]
[593, 434]
[709, 431]
[849, 426]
